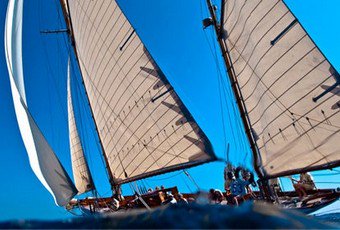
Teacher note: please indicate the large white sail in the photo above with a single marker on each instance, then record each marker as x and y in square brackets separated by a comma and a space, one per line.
[43, 161]
[290, 91]
[81, 173]
[144, 127]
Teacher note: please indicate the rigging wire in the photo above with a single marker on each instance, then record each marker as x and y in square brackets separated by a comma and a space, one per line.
[219, 81]
[192, 179]
[166, 178]
[186, 184]
[88, 119]
[240, 144]
[236, 127]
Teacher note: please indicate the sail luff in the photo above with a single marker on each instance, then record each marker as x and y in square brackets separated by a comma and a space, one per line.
[235, 88]
[67, 16]
[42, 159]
[142, 122]
[81, 172]
[289, 87]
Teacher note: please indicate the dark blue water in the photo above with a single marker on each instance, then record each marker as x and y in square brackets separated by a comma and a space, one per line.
[333, 218]
[249, 215]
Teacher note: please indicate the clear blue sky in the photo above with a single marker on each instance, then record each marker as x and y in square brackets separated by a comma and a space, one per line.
[172, 31]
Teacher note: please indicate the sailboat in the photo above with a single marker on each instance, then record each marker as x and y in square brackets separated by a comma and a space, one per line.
[284, 86]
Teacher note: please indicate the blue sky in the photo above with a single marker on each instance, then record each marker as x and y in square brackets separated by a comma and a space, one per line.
[172, 31]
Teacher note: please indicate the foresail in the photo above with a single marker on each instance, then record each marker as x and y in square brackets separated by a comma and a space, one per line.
[43, 161]
[81, 173]
[144, 127]
[290, 90]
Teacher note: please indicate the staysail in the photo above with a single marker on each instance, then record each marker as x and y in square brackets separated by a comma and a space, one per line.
[81, 173]
[144, 127]
[289, 89]
[43, 161]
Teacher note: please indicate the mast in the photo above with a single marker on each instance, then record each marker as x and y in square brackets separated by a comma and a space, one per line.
[235, 88]
[65, 6]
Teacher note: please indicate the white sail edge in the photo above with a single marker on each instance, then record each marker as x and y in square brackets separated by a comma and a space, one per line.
[81, 173]
[43, 161]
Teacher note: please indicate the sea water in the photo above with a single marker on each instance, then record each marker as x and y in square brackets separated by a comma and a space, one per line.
[248, 215]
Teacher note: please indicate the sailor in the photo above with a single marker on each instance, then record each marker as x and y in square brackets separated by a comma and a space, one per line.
[246, 175]
[215, 196]
[170, 199]
[305, 184]
[227, 180]
[275, 185]
[238, 186]
[114, 205]
[181, 199]
[230, 198]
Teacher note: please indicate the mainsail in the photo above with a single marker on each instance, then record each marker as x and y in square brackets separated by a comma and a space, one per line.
[289, 89]
[43, 161]
[143, 126]
[81, 173]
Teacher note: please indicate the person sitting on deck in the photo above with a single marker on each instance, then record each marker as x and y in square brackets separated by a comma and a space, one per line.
[275, 185]
[170, 199]
[181, 199]
[305, 184]
[229, 169]
[230, 198]
[275, 188]
[114, 204]
[215, 196]
[247, 176]
[238, 186]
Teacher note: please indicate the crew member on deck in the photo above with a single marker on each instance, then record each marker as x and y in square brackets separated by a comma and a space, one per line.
[238, 186]
[181, 199]
[229, 169]
[305, 184]
[215, 196]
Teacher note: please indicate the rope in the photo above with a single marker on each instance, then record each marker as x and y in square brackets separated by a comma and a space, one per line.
[186, 184]
[165, 178]
[192, 179]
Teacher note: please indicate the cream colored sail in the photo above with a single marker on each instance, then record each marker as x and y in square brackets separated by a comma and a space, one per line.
[43, 161]
[144, 127]
[81, 173]
[291, 92]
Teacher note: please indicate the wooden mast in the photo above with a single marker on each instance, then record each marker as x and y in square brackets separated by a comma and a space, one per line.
[65, 6]
[235, 88]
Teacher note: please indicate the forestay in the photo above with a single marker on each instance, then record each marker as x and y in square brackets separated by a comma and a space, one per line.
[144, 127]
[290, 90]
[43, 161]
[81, 173]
